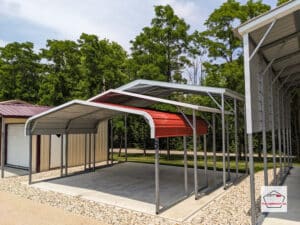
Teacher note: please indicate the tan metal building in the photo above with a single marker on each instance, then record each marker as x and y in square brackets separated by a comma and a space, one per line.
[46, 153]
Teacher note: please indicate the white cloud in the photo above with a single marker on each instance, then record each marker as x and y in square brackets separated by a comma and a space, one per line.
[117, 20]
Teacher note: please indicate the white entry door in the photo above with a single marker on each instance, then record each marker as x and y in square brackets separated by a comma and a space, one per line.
[17, 146]
[55, 151]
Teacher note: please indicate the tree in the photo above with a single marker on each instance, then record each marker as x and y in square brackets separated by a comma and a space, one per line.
[19, 72]
[160, 52]
[280, 2]
[61, 75]
[102, 65]
[224, 69]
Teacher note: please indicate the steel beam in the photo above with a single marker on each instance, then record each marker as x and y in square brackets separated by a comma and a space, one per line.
[262, 39]
[85, 150]
[223, 141]
[30, 159]
[61, 155]
[236, 138]
[205, 159]
[125, 131]
[67, 154]
[273, 135]
[264, 134]
[185, 166]
[214, 147]
[195, 154]
[2, 147]
[112, 141]
[245, 142]
[49, 149]
[279, 135]
[157, 191]
[252, 180]
[94, 153]
[227, 148]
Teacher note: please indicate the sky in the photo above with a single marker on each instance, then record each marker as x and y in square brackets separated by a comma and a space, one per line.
[117, 20]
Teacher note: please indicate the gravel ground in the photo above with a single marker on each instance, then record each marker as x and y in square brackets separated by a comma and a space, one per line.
[234, 206]
[230, 208]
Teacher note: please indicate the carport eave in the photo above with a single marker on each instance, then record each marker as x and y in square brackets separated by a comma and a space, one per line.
[32, 120]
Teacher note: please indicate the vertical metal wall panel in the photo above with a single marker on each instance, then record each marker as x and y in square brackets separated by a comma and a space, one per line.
[76, 148]
[44, 166]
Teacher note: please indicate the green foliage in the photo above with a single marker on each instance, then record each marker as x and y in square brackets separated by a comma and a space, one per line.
[102, 65]
[60, 74]
[280, 2]
[160, 51]
[19, 72]
[225, 69]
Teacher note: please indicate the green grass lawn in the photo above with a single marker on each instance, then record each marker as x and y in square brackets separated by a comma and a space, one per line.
[177, 160]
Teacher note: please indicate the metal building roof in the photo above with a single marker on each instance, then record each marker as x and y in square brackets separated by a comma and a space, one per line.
[83, 117]
[164, 89]
[17, 109]
[275, 38]
[282, 43]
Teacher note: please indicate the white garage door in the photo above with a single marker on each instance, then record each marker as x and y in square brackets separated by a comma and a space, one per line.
[17, 146]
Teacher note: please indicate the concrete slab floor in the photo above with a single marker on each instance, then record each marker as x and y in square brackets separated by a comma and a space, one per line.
[131, 185]
[13, 172]
[292, 217]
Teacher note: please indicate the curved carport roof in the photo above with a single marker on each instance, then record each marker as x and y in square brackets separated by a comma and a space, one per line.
[83, 117]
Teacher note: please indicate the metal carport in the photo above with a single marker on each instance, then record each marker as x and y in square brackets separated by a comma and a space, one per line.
[220, 96]
[272, 80]
[83, 117]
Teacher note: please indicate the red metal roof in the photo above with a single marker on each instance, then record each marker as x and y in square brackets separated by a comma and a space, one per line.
[20, 109]
[170, 124]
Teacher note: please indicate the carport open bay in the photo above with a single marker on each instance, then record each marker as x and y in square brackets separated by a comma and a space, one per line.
[129, 185]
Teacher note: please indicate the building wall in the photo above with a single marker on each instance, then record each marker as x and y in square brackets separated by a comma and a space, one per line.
[76, 146]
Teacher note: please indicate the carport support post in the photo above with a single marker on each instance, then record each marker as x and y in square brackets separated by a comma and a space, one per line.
[112, 141]
[2, 146]
[125, 122]
[61, 155]
[236, 139]
[157, 195]
[185, 165]
[227, 148]
[214, 146]
[85, 150]
[195, 154]
[94, 153]
[279, 137]
[90, 150]
[67, 151]
[273, 134]
[252, 181]
[223, 141]
[205, 159]
[264, 134]
[245, 141]
[30, 159]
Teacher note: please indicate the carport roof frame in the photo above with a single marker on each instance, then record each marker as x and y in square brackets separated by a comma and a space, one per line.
[89, 114]
[168, 87]
[151, 100]
[31, 123]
